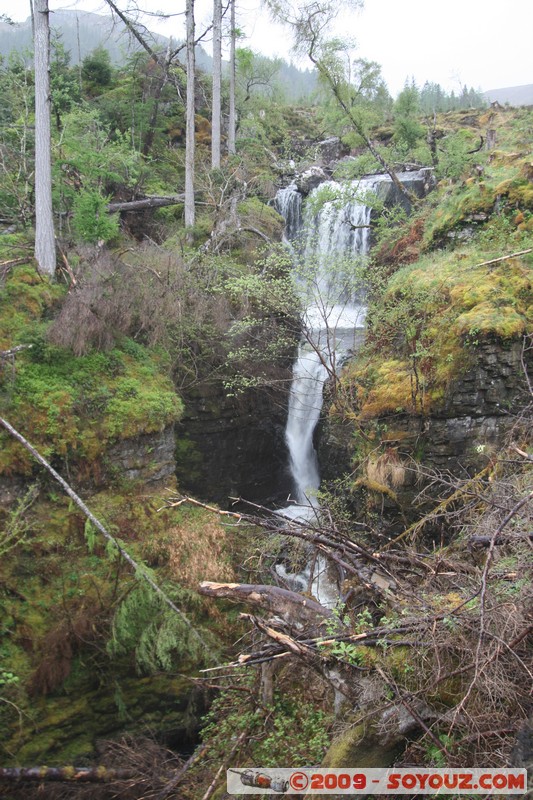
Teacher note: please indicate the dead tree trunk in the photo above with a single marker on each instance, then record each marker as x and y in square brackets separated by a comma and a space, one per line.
[190, 119]
[146, 202]
[65, 774]
[45, 249]
[216, 109]
[290, 606]
[232, 123]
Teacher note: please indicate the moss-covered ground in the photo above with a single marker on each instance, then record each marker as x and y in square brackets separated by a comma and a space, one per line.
[467, 280]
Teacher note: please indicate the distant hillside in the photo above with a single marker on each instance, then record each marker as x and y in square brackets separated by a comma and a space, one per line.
[513, 95]
[81, 32]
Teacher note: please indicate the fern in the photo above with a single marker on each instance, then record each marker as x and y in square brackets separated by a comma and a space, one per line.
[91, 535]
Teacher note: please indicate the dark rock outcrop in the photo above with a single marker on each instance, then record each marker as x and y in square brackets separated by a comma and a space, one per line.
[231, 447]
[310, 179]
[332, 150]
[147, 458]
[481, 408]
[417, 182]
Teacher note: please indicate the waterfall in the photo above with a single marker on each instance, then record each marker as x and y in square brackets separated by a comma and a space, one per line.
[334, 314]
[288, 203]
[337, 234]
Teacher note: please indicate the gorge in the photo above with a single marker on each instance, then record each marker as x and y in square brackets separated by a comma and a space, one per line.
[407, 416]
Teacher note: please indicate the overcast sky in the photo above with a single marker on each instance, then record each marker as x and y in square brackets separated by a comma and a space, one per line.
[481, 43]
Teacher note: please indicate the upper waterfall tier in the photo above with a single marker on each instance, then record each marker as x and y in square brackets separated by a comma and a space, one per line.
[288, 203]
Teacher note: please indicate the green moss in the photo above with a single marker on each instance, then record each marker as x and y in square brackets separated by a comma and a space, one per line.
[52, 585]
[361, 746]
[70, 406]
[77, 406]
[428, 315]
[66, 729]
[24, 298]
[486, 319]
[265, 218]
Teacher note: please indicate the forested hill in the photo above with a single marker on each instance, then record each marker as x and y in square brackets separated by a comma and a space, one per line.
[513, 95]
[81, 32]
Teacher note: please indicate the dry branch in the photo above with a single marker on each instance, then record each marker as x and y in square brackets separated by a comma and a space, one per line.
[13, 262]
[502, 258]
[463, 491]
[14, 350]
[287, 642]
[182, 771]
[212, 786]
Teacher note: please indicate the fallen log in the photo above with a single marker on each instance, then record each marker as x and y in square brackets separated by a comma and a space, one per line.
[486, 541]
[290, 606]
[14, 350]
[68, 774]
[146, 202]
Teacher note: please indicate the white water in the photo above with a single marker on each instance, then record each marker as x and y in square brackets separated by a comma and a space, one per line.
[331, 321]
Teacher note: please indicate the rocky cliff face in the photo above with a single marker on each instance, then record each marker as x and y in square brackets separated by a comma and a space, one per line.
[231, 447]
[147, 458]
[481, 408]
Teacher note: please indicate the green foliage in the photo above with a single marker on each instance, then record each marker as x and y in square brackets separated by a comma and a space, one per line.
[354, 168]
[299, 735]
[360, 98]
[433, 98]
[96, 71]
[435, 755]
[158, 638]
[91, 535]
[16, 140]
[8, 678]
[64, 80]
[407, 127]
[455, 158]
[16, 526]
[256, 74]
[90, 220]
[294, 732]
[53, 393]
[338, 195]
[91, 158]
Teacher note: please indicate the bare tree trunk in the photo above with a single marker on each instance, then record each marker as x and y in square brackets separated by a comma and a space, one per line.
[68, 774]
[189, 144]
[145, 202]
[232, 124]
[217, 83]
[45, 250]
[290, 606]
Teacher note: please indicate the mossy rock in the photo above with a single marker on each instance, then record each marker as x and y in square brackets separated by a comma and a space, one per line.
[361, 746]
[65, 729]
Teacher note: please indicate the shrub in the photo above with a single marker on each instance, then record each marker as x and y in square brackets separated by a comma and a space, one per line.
[91, 220]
